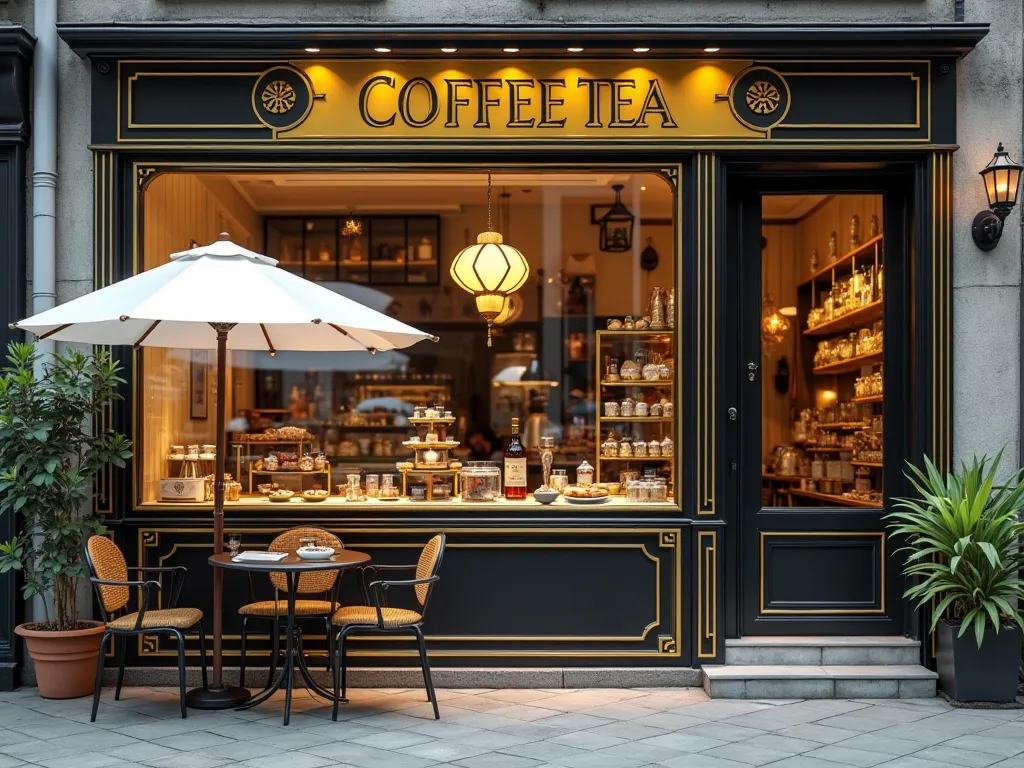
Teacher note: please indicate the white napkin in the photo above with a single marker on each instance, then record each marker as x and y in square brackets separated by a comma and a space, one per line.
[259, 557]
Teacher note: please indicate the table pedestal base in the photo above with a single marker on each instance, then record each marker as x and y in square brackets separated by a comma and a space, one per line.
[225, 697]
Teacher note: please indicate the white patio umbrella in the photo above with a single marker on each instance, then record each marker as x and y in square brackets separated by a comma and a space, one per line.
[221, 296]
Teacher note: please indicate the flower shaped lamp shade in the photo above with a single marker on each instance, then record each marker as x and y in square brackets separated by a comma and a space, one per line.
[491, 270]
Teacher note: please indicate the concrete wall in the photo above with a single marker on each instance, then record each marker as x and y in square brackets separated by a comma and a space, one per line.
[986, 286]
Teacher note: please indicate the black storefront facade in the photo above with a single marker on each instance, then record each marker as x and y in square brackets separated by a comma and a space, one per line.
[855, 109]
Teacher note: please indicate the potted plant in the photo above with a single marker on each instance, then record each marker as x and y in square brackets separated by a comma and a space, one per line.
[963, 534]
[50, 454]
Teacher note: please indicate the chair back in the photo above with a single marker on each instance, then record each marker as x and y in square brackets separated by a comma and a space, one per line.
[315, 581]
[428, 565]
[106, 562]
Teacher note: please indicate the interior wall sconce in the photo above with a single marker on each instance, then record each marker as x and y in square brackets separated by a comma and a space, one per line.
[616, 224]
[1002, 182]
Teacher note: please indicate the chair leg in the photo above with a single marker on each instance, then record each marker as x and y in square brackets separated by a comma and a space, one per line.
[330, 644]
[337, 680]
[431, 696]
[202, 654]
[275, 650]
[99, 678]
[122, 657]
[342, 660]
[241, 664]
[181, 672]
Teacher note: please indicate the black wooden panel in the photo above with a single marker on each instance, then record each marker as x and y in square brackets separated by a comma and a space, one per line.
[860, 100]
[596, 595]
[841, 573]
[214, 100]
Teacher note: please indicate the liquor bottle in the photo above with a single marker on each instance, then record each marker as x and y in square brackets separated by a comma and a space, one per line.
[515, 466]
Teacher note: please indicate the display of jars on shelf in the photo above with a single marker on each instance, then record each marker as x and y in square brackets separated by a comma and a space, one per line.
[855, 344]
[868, 386]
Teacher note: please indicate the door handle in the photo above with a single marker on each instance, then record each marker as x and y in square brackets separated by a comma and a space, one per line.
[751, 371]
[732, 414]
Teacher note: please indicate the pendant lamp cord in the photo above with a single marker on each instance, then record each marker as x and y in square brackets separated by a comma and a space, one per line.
[488, 201]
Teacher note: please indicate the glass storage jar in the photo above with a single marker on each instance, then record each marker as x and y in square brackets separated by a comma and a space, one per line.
[481, 481]
[611, 409]
[559, 480]
[667, 447]
[653, 448]
[585, 474]
[610, 447]
[639, 448]
[626, 408]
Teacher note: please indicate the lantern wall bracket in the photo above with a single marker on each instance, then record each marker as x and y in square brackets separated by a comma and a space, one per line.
[986, 230]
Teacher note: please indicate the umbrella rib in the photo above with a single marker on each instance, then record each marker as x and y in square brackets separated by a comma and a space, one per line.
[142, 338]
[270, 345]
[343, 332]
[58, 329]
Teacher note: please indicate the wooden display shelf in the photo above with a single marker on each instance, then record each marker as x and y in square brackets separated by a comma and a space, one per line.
[866, 250]
[289, 472]
[637, 458]
[840, 500]
[872, 464]
[780, 478]
[640, 419]
[423, 445]
[446, 420]
[868, 399]
[845, 425]
[849, 366]
[858, 318]
[638, 383]
[814, 448]
[641, 332]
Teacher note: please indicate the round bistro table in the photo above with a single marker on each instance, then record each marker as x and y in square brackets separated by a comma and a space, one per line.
[292, 566]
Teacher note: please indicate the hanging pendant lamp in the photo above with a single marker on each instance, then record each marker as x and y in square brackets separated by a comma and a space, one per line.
[491, 270]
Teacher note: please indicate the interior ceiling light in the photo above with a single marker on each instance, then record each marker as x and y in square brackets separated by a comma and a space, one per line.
[712, 49]
[574, 49]
[382, 49]
[449, 50]
[641, 49]
[773, 325]
[789, 311]
[491, 270]
[510, 50]
[312, 50]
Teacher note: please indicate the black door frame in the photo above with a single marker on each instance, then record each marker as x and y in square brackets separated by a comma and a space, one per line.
[914, 292]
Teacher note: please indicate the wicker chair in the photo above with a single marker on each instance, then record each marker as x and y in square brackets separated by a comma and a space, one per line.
[108, 573]
[323, 585]
[376, 617]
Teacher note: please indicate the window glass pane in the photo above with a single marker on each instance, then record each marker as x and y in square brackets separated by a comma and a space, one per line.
[562, 361]
[821, 340]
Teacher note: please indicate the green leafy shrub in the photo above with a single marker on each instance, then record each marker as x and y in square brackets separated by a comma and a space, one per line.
[963, 537]
[50, 455]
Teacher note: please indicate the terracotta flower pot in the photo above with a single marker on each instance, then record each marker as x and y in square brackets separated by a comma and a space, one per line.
[65, 662]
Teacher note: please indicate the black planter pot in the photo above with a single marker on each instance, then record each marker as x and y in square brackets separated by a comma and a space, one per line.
[967, 673]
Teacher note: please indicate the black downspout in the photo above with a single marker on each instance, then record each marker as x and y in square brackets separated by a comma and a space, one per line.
[958, 10]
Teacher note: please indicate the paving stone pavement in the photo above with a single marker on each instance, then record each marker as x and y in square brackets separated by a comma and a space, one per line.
[592, 728]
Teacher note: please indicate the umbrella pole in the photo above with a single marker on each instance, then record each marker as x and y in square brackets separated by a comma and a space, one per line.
[217, 695]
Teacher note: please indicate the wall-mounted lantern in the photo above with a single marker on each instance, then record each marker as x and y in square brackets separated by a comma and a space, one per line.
[1002, 181]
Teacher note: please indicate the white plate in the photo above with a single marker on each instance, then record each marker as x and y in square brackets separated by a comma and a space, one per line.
[325, 555]
[577, 500]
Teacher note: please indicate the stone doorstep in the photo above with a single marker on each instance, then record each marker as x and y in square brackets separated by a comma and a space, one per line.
[443, 677]
[801, 641]
[809, 672]
[820, 682]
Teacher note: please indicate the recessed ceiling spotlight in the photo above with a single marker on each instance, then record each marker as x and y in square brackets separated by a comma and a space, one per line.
[643, 189]
[382, 49]
[312, 50]
[641, 49]
[449, 50]
[574, 49]
[712, 49]
[510, 50]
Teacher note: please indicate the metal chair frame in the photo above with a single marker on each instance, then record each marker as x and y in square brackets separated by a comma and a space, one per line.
[331, 596]
[146, 591]
[376, 591]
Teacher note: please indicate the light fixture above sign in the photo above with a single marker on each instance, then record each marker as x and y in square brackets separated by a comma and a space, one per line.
[1002, 182]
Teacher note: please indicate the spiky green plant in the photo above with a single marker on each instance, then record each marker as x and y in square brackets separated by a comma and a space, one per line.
[963, 538]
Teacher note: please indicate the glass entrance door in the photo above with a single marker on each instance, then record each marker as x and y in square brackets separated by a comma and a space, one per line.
[812, 422]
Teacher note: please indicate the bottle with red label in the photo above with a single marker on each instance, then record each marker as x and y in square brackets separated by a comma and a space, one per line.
[515, 466]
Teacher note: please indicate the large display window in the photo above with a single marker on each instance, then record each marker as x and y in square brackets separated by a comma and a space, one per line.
[582, 363]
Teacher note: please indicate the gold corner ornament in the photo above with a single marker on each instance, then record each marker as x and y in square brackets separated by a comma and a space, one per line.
[278, 97]
[763, 98]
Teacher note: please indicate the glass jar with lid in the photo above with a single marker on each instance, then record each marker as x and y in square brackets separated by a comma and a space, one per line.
[585, 474]
[667, 447]
[639, 448]
[559, 480]
[626, 447]
[481, 481]
[653, 448]
[610, 447]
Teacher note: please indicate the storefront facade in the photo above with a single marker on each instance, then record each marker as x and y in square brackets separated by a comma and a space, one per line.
[869, 115]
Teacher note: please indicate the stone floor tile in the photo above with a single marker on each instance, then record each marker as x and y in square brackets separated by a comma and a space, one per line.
[10, 762]
[189, 742]
[493, 740]
[822, 734]
[960, 757]
[853, 723]
[497, 760]
[49, 728]
[482, 720]
[294, 760]
[526, 712]
[701, 761]
[909, 761]
[628, 730]
[240, 751]
[599, 760]
[886, 745]
[646, 753]
[620, 710]
[589, 740]
[683, 741]
[339, 731]
[837, 753]
[545, 751]
[1001, 747]
[726, 732]
[519, 695]
[913, 732]
[138, 753]
[805, 762]
[572, 720]
[392, 739]
[668, 721]
[748, 754]
[444, 750]
[282, 738]
[188, 760]
[96, 741]
[368, 757]
[388, 720]
[790, 744]
[439, 729]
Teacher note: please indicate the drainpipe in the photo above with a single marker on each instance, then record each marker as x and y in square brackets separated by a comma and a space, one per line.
[44, 163]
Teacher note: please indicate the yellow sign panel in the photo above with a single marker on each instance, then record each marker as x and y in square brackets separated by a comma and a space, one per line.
[530, 99]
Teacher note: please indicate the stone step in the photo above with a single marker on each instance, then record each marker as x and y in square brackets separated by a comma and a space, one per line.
[874, 681]
[827, 651]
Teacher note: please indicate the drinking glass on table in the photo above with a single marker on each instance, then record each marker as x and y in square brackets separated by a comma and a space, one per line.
[234, 543]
